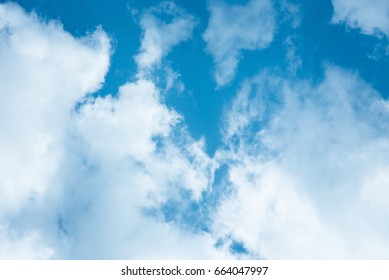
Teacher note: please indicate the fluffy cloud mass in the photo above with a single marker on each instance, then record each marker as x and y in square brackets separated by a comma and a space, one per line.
[371, 17]
[44, 71]
[78, 173]
[128, 162]
[300, 171]
[233, 28]
[308, 168]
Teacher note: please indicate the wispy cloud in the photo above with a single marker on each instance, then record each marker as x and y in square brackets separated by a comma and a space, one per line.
[160, 36]
[233, 28]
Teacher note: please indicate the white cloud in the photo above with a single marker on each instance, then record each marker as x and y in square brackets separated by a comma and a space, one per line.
[131, 154]
[81, 175]
[307, 169]
[78, 173]
[160, 36]
[371, 17]
[44, 71]
[29, 245]
[233, 28]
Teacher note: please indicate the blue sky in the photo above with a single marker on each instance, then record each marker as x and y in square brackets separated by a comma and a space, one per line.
[194, 129]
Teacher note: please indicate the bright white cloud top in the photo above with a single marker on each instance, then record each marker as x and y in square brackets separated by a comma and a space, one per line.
[300, 172]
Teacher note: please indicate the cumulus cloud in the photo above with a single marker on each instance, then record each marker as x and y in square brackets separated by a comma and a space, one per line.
[371, 17]
[233, 28]
[43, 72]
[160, 36]
[133, 154]
[306, 162]
[80, 175]
[301, 174]
[130, 161]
